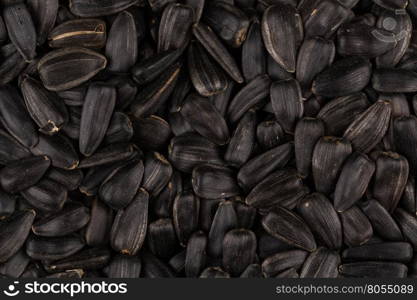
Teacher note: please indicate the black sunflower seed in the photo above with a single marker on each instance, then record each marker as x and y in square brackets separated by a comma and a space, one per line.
[185, 213]
[321, 263]
[370, 269]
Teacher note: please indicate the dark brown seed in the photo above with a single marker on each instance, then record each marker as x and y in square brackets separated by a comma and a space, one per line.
[154, 95]
[123, 266]
[256, 169]
[162, 204]
[353, 181]
[214, 182]
[279, 23]
[208, 209]
[320, 215]
[269, 134]
[185, 215]
[322, 263]
[246, 214]
[229, 22]
[399, 252]
[282, 261]
[59, 149]
[174, 27]
[269, 245]
[12, 64]
[189, 150]
[405, 139]
[364, 40]
[157, 173]
[120, 129]
[122, 49]
[197, 6]
[307, 132]
[408, 225]
[89, 33]
[394, 81]
[195, 259]
[207, 78]
[24, 173]
[390, 179]
[152, 267]
[239, 250]
[68, 220]
[214, 272]
[89, 259]
[253, 53]
[129, 228]
[13, 233]
[97, 111]
[15, 119]
[209, 123]
[46, 195]
[21, 29]
[224, 220]
[314, 56]
[241, 145]
[161, 237]
[48, 112]
[408, 199]
[149, 69]
[249, 96]
[287, 103]
[357, 229]
[370, 269]
[325, 18]
[283, 187]
[96, 8]
[75, 96]
[339, 113]
[152, 133]
[15, 265]
[290, 228]
[101, 219]
[110, 154]
[44, 13]
[328, 157]
[343, 77]
[42, 248]
[7, 204]
[218, 52]
[66, 68]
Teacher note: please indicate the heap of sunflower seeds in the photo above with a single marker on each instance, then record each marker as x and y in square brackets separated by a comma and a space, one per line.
[211, 139]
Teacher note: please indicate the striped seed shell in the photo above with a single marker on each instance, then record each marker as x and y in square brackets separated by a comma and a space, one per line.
[405, 139]
[408, 199]
[208, 121]
[208, 39]
[253, 53]
[185, 215]
[256, 169]
[208, 209]
[353, 181]
[13, 233]
[121, 46]
[59, 149]
[162, 239]
[307, 132]
[269, 134]
[281, 261]
[408, 225]
[195, 258]
[130, 224]
[252, 271]
[390, 179]
[96, 114]
[328, 157]
[11, 65]
[15, 265]
[97, 8]
[66, 68]
[21, 29]
[387, 251]
[44, 13]
[345, 76]
[110, 154]
[339, 113]
[174, 27]
[88, 33]
[357, 229]
[123, 266]
[120, 129]
[153, 267]
[45, 108]
[97, 231]
[394, 80]
[320, 215]
[10, 149]
[321, 263]
[287, 226]
[249, 96]
[207, 78]
[42, 248]
[70, 219]
[157, 173]
[371, 269]
[152, 132]
[239, 250]
[214, 182]
[24, 173]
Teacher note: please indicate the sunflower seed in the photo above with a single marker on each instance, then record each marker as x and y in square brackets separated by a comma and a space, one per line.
[321, 263]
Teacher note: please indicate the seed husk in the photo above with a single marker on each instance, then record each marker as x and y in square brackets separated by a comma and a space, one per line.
[15, 265]
[185, 215]
[13, 232]
[12, 64]
[195, 258]
[357, 229]
[162, 239]
[405, 139]
[252, 271]
[269, 134]
[393, 251]
[253, 53]
[21, 29]
[88, 33]
[282, 261]
[24, 173]
[287, 226]
[120, 129]
[389, 80]
[123, 266]
[408, 225]
[110, 154]
[321, 263]
[130, 225]
[370, 269]
[42, 248]
[157, 173]
[98, 228]
[44, 13]
[153, 267]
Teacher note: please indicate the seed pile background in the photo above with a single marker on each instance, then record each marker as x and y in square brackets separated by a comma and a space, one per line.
[235, 138]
